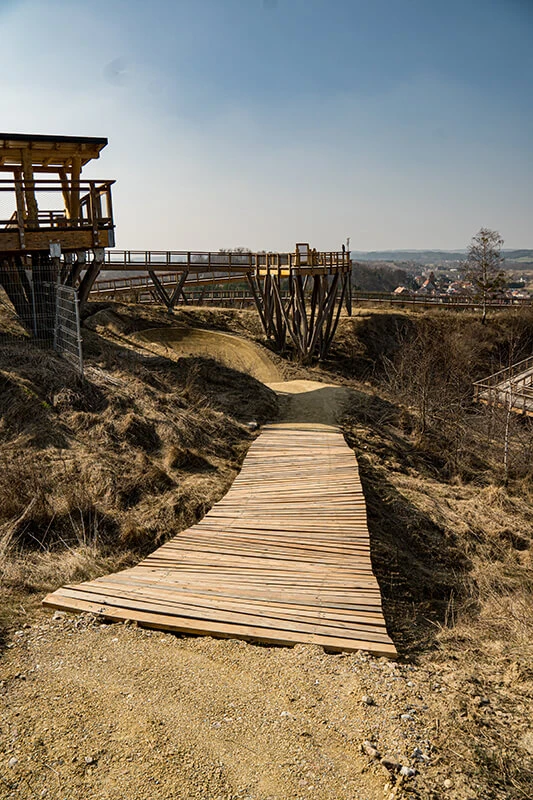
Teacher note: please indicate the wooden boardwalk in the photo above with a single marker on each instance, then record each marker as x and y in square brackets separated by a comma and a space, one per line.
[511, 387]
[283, 558]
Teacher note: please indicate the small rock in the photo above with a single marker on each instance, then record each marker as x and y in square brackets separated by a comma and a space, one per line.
[447, 784]
[407, 718]
[59, 615]
[390, 763]
[12, 762]
[89, 760]
[407, 772]
[419, 755]
[370, 749]
[367, 700]
[252, 425]
[287, 715]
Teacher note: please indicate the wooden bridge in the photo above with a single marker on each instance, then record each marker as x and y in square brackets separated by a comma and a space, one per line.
[283, 558]
[511, 387]
[298, 295]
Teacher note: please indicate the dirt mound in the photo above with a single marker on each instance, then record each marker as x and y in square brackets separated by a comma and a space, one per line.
[231, 351]
[311, 401]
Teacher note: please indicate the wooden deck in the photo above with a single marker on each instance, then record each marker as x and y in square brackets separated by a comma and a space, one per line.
[283, 558]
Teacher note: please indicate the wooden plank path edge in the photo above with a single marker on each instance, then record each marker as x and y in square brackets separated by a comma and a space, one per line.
[283, 558]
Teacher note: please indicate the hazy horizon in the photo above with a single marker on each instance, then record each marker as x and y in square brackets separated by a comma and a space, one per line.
[260, 123]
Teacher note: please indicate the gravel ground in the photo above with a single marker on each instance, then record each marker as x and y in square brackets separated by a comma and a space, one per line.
[115, 712]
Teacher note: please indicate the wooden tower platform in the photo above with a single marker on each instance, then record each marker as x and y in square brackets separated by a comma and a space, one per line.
[50, 218]
[283, 558]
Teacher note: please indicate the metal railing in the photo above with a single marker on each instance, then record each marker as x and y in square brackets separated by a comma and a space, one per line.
[53, 321]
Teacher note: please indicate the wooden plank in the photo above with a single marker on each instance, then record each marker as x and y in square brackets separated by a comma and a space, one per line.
[283, 557]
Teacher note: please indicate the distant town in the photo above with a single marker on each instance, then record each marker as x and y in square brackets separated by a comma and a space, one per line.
[436, 273]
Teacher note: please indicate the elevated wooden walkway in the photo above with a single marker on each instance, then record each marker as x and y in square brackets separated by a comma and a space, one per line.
[283, 558]
[511, 387]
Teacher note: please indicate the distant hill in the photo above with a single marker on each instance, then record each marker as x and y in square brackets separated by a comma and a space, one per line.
[433, 256]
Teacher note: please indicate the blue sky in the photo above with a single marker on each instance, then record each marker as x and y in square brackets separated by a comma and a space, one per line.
[259, 123]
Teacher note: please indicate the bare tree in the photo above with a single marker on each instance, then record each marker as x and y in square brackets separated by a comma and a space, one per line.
[483, 266]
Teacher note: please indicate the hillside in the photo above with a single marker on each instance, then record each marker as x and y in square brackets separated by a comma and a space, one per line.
[433, 256]
[97, 472]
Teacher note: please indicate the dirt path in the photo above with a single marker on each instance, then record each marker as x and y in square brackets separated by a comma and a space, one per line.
[232, 351]
[310, 401]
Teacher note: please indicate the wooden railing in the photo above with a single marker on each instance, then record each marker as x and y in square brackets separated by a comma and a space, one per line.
[171, 260]
[54, 206]
[512, 386]
[453, 301]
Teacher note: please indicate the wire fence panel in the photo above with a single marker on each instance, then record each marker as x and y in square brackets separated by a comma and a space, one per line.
[67, 335]
[53, 321]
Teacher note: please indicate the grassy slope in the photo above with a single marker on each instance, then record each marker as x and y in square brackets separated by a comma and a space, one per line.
[95, 473]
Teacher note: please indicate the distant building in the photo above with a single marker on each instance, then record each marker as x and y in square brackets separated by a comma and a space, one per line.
[429, 287]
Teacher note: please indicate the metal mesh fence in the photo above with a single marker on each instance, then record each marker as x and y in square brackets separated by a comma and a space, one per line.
[67, 335]
[51, 320]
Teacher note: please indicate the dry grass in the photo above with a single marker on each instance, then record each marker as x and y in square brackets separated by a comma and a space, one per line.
[452, 543]
[95, 473]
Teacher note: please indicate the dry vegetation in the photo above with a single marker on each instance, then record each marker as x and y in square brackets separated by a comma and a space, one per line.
[94, 473]
[451, 530]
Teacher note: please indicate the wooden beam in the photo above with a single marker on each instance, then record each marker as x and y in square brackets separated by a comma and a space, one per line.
[90, 275]
[29, 188]
[179, 290]
[75, 190]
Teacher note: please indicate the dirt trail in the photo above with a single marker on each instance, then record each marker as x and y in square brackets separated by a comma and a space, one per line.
[310, 401]
[303, 400]
[232, 351]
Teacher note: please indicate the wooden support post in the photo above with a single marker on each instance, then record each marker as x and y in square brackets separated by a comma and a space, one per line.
[178, 290]
[160, 289]
[91, 275]
[68, 259]
[258, 303]
[11, 281]
[29, 188]
[65, 189]
[21, 207]
[75, 190]
[76, 269]
[328, 321]
[349, 294]
[332, 328]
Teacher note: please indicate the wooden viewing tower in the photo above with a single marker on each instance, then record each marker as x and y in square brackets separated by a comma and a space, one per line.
[50, 219]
